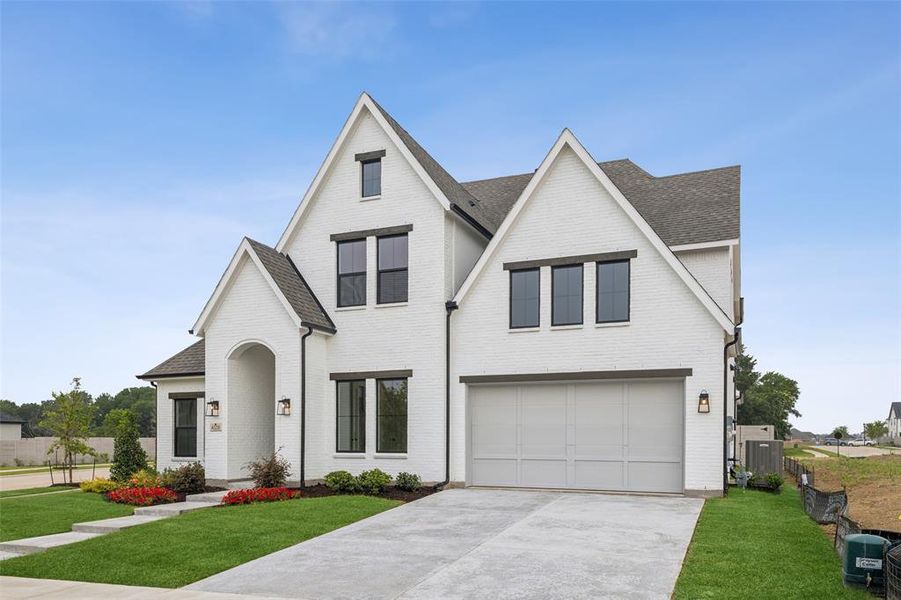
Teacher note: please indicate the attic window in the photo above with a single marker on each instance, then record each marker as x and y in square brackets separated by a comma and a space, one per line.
[371, 172]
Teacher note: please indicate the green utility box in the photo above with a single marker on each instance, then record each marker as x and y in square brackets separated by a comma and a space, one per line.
[863, 560]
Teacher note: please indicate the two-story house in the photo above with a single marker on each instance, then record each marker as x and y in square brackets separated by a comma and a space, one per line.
[572, 327]
[894, 422]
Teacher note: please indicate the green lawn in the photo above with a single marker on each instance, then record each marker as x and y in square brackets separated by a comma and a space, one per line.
[37, 490]
[28, 515]
[177, 551]
[798, 453]
[754, 545]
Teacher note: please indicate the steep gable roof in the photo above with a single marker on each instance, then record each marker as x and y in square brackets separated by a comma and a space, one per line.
[688, 208]
[568, 140]
[896, 409]
[284, 278]
[190, 361]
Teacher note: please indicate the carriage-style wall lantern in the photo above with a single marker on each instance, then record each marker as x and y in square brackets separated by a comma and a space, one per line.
[212, 408]
[704, 402]
[284, 406]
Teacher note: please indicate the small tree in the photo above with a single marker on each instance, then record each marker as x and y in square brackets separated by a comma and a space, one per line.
[875, 430]
[128, 456]
[69, 419]
[841, 432]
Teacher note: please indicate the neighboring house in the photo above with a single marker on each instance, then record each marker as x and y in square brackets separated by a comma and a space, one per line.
[564, 328]
[802, 436]
[10, 427]
[894, 421]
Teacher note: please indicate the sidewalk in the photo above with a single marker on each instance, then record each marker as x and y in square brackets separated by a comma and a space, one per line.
[33, 480]
[19, 588]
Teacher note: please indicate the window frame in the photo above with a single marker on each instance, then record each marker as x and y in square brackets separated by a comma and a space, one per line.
[554, 270]
[363, 164]
[510, 299]
[597, 292]
[176, 427]
[379, 270]
[378, 449]
[339, 274]
[362, 415]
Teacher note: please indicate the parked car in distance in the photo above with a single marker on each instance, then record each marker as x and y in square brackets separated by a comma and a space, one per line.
[862, 443]
[831, 441]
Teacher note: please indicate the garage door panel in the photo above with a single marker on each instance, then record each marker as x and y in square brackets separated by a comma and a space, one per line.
[654, 476]
[543, 427]
[543, 473]
[495, 472]
[655, 422]
[599, 475]
[494, 423]
[598, 421]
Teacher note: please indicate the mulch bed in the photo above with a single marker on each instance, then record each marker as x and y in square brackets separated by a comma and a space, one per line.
[392, 493]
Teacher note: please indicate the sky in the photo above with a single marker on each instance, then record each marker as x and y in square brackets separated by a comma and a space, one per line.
[140, 141]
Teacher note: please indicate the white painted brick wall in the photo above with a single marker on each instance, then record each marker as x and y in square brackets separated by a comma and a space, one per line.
[713, 270]
[571, 214]
[165, 429]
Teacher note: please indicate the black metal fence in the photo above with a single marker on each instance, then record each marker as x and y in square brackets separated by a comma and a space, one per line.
[796, 468]
[893, 573]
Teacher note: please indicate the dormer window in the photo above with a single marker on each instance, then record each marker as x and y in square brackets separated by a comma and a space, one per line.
[371, 173]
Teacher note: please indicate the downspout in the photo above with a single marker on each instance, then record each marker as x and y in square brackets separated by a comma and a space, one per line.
[450, 306]
[156, 421]
[303, 405]
[735, 336]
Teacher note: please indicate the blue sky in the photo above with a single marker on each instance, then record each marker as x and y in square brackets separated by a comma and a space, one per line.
[140, 141]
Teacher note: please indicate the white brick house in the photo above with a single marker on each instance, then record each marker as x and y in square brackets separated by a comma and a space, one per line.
[567, 328]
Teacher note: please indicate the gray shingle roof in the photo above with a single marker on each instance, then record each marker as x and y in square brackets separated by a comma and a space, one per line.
[292, 284]
[895, 408]
[189, 361]
[8, 418]
[689, 208]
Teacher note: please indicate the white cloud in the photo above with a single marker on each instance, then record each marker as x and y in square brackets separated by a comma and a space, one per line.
[339, 31]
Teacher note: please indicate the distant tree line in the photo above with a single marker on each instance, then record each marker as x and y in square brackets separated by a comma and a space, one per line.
[107, 412]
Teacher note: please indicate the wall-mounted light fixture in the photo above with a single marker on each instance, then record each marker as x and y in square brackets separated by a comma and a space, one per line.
[704, 402]
[212, 408]
[284, 406]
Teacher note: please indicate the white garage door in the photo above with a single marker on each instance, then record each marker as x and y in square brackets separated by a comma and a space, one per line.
[593, 435]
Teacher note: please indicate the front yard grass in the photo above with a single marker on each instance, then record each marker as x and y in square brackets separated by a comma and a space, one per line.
[177, 551]
[29, 515]
[754, 545]
[798, 453]
[38, 490]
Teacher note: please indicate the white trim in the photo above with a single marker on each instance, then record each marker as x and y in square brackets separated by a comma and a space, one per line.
[705, 245]
[244, 249]
[568, 139]
[363, 102]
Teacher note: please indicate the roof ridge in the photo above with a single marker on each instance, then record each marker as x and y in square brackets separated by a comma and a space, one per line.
[711, 170]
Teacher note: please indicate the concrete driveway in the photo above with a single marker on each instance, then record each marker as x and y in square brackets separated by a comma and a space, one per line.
[480, 543]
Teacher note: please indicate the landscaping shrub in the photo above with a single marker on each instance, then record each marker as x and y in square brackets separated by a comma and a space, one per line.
[128, 456]
[407, 482]
[250, 495]
[145, 478]
[774, 480]
[373, 482]
[270, 472]
[142, 496]
[342, 482]
[189, 478]
[99, 486]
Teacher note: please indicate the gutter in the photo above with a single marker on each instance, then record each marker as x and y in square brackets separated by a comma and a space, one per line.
[450, 306]
[303, 404]
[736, 336]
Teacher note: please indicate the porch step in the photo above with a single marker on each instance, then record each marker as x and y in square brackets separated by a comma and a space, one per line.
[115, 524]
[240, 484]
[45, 542]
[207, 497]
[171, 510]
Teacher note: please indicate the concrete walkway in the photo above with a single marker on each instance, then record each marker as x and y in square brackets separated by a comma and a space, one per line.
[20, 588]
[479, 543]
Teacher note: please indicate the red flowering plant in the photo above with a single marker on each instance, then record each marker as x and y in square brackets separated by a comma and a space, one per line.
[251, 495]
[142, 496]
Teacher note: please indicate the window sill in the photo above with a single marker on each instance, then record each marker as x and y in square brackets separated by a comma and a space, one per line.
[390, 455]
[185, 459]
[614, 324]
[391, 304]
[368, 198]
[349, 308]
[522, 329]
[573, 326]
[349, 455]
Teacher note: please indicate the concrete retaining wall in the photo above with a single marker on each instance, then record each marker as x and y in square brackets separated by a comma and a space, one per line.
[33, 451]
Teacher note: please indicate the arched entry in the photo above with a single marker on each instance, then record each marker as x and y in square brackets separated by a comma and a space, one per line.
[251, 406]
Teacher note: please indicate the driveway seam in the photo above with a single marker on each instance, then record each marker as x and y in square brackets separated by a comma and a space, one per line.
[438, 570]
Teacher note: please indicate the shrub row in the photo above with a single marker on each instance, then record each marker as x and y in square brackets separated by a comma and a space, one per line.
[99, 486]
[250, 495]
[142, 496]
[371, 482]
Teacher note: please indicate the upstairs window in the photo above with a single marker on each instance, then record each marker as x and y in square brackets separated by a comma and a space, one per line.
[372, 177]
[186, 427]
[392, 267]
[524, 285]
[566, 300]
[351, 416]
[352, 273]
[613, 292]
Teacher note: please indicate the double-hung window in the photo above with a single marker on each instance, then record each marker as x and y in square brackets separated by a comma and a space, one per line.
[392, 266]
[351, 416]
[391, 416]
[352, 273]
[186, 427]
[613, 292]
[524, 286]
[566, 300]
[372, 177]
